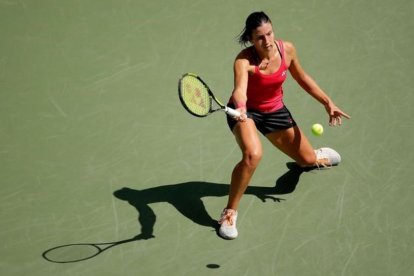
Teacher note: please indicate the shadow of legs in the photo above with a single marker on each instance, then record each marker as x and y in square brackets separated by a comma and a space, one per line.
[287, 183]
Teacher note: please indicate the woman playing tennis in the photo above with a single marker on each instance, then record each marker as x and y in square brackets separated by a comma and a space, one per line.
[259, 72]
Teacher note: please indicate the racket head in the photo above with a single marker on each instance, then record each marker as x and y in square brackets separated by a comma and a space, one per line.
[195, 95]
[71, 253]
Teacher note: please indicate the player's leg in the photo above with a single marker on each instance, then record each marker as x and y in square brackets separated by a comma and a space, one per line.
[251, 147]
[294, 143]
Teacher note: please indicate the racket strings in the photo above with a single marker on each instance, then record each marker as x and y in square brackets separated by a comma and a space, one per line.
[195, 95]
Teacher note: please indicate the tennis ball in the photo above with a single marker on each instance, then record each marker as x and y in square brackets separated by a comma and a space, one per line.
[317, 129]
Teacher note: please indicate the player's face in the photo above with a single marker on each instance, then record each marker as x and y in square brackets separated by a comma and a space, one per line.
[263, 37]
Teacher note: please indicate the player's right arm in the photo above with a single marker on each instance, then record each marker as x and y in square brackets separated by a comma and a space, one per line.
[239, 94]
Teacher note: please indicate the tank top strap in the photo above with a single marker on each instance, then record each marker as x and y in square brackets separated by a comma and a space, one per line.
[281, 50]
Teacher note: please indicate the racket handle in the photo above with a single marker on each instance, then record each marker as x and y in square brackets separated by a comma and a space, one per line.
[232, 112]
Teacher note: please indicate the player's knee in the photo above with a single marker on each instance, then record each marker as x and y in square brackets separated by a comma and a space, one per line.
[252, 158]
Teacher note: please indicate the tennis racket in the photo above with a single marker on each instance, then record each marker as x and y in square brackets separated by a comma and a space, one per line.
[77, 252]
[198, 99]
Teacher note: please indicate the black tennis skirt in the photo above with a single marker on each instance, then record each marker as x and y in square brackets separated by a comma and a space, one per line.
[267, 122]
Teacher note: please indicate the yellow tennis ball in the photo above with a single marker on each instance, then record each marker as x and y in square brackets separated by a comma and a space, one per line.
[317, 129]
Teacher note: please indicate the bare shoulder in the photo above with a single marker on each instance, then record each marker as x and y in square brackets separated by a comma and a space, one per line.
[244, 59]
[290, 51]
[289, 48]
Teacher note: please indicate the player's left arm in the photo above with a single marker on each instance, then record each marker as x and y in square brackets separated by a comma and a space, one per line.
[310, 86]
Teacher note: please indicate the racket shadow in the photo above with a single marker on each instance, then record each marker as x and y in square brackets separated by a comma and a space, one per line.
[77, 252]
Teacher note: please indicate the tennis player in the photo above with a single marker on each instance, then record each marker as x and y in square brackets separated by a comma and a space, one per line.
[259, 72]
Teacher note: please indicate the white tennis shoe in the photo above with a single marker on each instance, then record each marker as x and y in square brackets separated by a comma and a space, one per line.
[227, 223]
[327, 157]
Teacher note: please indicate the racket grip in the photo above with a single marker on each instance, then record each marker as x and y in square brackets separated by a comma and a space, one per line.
[232, 112]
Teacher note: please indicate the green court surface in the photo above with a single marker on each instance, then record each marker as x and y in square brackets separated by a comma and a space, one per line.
[92, 134]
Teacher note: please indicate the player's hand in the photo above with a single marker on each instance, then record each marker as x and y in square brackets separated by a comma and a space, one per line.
[243, 115]
[335, 114]
[264, 197]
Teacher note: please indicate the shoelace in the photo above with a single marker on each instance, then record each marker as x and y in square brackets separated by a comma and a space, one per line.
[227, 215]
[321, 160]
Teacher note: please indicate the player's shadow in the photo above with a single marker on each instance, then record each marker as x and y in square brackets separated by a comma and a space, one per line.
[187, 198]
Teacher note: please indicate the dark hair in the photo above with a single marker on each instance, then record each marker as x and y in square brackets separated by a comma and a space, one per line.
[253, 21]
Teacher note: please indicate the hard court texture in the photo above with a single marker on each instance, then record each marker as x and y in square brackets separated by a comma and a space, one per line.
[96, 148]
